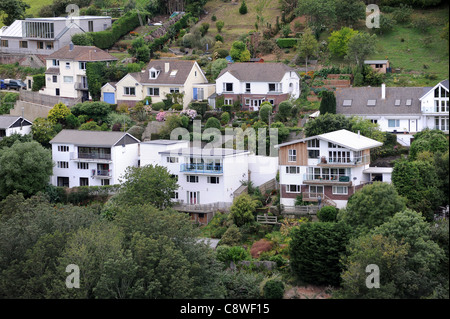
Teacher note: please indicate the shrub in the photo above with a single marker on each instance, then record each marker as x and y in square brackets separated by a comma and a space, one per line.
[219, 25]
[225, 118]
[231, 237]
[218, 37]
[243, 8]
[274, 289]
[38, 82]
[158, 106]
[90, 126]
[284, 43]
[84, 39]
[212, 122]
[260, 246]
[234, 254]
[327, 214]
[136, 131]
[177, 107]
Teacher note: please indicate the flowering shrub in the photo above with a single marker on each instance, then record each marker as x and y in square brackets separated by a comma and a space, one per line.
[189, 113]
[161, 116]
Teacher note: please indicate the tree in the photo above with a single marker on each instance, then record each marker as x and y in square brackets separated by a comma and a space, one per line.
[243, 8]
[428, 140]
[308, 45]
[96, 111]
[371, 206]
[349, 12]
[217, 66]
[219, 25]
[84, 39]
[284, 111]
[360, 46]
[265, 111]
[327, 123]
[315, 251]
[328, 103]
[241, 212]
[13, 10]
[26, 168]
[147, 184]
[239, 52]
[321, 13]
[338, 41]
[58, 113]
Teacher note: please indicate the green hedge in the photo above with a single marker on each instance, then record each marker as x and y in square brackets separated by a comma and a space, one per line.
[287, 42]
[38, 82]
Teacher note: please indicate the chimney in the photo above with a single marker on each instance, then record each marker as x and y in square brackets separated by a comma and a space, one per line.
[383, 91]
[166, 67]
[71, 46]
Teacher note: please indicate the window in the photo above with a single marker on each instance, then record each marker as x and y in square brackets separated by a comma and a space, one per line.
[84, 181]
[128, 90]
[347, 103]
[272, 101]
[340, 190]
[82, 65]
[228, 87]
[91, 26]
[247, 87]
[105, 182]
[82, 165]
[40, 45]
[228, 101]
[292, 155]
[173, 73]
[67, 65]
[55, 62]
[274, 87]
[2, 133]
[213, 180]
[23, 44]
[68, 79]
[172, 159]
[54, 78]
[63, 181]
[63, 164]
[293, 189]
[313, 153]
[397, 102]
[153, 91]
[374, 121]
[292, 170]
[313, 143]
[174, 195]
[57, 92]
[408, 102]
[63, 148]
[371, 102]
[153, 73]
[378, 66]
[175, 177]
[4, 43]
[247, 101]
[174, 90]
[393, 123]
[315, 191]
[191, 179]
[441, 123]
[49, 45]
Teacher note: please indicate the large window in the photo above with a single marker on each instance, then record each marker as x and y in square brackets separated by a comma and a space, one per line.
[191, 179]
[293, 189]
[228, 87]
[23, 44]
[292, 155]
[292, 169]
[213, 180]
[129, 90]
[153, 91]
[340, 190]
[393, 123]
[45, 30]
[441, 123]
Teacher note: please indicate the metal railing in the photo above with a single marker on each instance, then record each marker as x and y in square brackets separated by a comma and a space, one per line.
[202, 168]
[79, 155]
[354, 160]
[103, 173]
[327, 177]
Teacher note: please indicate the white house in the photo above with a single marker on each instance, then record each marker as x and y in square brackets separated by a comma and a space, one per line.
[44, 36]
[405, 110]
[207, 178]
[66, 70]
[14, 125]
[255, 83]
[332, 165]
[159, 78]
[92, 158]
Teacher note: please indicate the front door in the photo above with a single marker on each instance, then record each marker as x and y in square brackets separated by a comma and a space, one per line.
[193, 198]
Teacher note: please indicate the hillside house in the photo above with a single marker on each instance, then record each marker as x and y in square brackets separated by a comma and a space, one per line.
[10, 125]
[331, 166]
[45, 36]
[66, 70]
[92, 158]
[159, 78]
[254, 83]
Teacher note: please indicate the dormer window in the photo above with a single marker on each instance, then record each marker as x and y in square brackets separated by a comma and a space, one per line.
[173, 73]
[153, 73]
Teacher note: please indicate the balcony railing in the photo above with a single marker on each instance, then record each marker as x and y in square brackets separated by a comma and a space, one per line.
[102, 173]
[365, 159]
[202, 168]
[333, 178]
[81, 86]
[93, 156]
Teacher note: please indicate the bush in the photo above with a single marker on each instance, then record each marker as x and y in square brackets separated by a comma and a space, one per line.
[274, 289]
[231, 237]
[259, 247]
[212, 122]
[284, 43]
[227, 254]
[225, 118]
[38, 82]
[136, 131]
[84, 39]
[158, 106]
[177, 107]
[243, 8]
[327, 214]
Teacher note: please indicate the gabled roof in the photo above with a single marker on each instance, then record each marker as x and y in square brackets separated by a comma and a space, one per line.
[7, 121]
[91, 138]
[344, 138]
[257, 72]
[81, 53]
[183, 68]
[443, 84]
[356, 100]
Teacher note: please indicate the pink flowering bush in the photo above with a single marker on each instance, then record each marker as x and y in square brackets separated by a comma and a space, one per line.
[161, 116]
[191, 114]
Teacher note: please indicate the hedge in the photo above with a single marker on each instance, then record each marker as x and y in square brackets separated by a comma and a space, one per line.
[287, 42]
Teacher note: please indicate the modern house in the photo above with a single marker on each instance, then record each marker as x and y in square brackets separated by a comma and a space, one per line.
[66, 70]
[398, 109]
[254, 83]
[92, 158]
[159, 78]
[381, 66]
[208, 179]
[14, 125]
[44, 36]
[330, 166]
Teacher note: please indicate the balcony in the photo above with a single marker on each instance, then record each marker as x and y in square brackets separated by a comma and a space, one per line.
[344, 161]
[201, 168]
[323, 179]
[102, 173]
[81, 86]
[94, 157]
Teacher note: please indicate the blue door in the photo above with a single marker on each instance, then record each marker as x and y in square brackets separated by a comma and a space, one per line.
[109, 98]
[195, 93]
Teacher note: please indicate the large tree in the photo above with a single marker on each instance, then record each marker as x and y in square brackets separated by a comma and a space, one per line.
[12, 10]
[308, 46]
[360, 46]
[320, 13]
[338, 41]
[25, 168]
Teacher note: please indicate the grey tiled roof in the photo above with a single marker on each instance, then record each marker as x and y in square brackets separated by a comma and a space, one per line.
[257, 72]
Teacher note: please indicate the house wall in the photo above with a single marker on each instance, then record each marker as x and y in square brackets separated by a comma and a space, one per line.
[129, 81]
[123, 157]
[17, 130]
[302, 155]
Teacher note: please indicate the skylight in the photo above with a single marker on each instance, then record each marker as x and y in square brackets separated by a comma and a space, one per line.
[371, 102]
[408, 102]
[397, 102]
[173, 73]
[347, 103]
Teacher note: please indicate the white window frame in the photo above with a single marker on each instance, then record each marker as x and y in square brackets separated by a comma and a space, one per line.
[293, 188]
[292, 169]
[193, 180]
[210, 178]
[396, 123]
[344, 190]
[68, 79]
[63, 164]
[292, 155]
[127, 90]
[151, 91]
